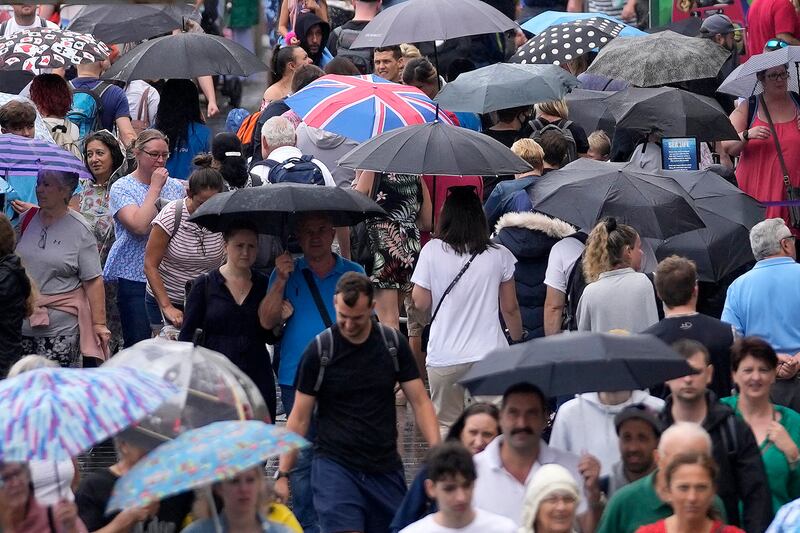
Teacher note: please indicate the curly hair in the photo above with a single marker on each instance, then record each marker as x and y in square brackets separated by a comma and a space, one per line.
[179, 107]
[605, 246]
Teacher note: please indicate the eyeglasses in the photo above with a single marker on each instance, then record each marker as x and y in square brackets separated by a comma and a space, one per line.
[157, 155]
[778, 76]
[775, 44]
[43, 238]
[791, 238]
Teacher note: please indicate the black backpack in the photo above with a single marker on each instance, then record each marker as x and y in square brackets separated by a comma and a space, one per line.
[293, 170]
[360, 57]
[561, 127]
[575, 285]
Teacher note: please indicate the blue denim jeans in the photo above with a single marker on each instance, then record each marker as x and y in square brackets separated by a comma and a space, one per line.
[132, 312]
[302, 499]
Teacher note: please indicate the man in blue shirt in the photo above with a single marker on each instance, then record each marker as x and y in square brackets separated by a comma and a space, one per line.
[765, 302]
[291, 282]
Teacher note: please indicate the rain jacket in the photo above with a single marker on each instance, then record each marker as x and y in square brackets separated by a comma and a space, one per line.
[742, 477]
[530, 236]
[14, 291]
[329, 148]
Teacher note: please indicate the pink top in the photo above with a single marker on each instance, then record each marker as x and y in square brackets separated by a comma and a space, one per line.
[36, 521]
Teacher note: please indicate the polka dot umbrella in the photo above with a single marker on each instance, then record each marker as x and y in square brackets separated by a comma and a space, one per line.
[563, 42]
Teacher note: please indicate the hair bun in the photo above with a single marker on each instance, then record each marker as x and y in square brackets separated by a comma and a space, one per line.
[611, 224]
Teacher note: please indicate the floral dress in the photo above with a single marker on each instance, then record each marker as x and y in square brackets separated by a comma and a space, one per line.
[395, 240]
[94, 206]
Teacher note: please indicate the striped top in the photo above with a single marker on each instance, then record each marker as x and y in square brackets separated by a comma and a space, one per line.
[612, 8]
[192, 252]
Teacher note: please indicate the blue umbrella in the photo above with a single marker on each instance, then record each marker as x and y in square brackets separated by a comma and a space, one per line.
[541, 22]
[201, 457]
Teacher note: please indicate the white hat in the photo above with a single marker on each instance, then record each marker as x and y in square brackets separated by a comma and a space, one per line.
[548, 479]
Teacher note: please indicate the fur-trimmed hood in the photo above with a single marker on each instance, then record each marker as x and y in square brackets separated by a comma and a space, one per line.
[550, 226]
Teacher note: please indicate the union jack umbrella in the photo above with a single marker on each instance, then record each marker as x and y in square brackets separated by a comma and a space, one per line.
[361, 107]
[49, 48]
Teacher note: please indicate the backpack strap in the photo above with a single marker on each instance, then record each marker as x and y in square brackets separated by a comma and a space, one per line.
[3, 28]
[307, 158]
[144, 110]
[324, 342]
[752, 109]
[26, 219]
[659, 305]
[177, 220]
[271, 163]
[312, 286]
[42, 22]
[392, 346]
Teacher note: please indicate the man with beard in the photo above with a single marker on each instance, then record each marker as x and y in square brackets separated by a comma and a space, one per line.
[638, 430]
[510, 461]
[313, 34]
[720, 29]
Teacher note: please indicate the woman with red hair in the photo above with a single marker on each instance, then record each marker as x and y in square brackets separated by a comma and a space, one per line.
[52, 96]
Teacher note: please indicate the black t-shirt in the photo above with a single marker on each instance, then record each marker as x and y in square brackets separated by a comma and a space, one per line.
[333, 40]
[356, 416]
[715, 335]
[507, 137]
[95, 490]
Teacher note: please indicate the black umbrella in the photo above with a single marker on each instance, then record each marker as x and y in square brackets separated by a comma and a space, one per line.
[185, 56]
[671, 112]
[590, 110]
[573, 363]
[435, 148]
[563, 42]
[130, 23]
[690, 27]
[270, 206]
[585, 191]
[418, 21]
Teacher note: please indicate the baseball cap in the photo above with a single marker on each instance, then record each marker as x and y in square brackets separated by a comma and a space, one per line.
[638, 412]
[717, 24]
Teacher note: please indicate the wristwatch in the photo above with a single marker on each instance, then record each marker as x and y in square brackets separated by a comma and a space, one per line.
[746, 135]
[279, 474]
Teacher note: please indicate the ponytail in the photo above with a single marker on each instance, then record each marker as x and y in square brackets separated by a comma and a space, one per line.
[605, 247]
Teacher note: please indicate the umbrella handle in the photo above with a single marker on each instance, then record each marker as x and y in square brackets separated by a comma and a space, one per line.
[213, 508]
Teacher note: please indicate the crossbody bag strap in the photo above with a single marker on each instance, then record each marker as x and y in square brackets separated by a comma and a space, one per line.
[144, 108]
[312, 286]
[784, 169]
[452, 284]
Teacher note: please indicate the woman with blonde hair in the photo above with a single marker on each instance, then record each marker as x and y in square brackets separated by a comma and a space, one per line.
[617, 295]
[551, 502]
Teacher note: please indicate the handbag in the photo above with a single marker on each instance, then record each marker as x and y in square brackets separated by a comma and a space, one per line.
[426, 331]
[792, 193]
[360, 245]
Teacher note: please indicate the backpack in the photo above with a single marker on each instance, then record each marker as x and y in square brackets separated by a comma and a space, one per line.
[561, 127]
[360, 57]
[246, 131]
[293, 170]
[65, 134]
[575, 285]
[86, 111]
[326, 352]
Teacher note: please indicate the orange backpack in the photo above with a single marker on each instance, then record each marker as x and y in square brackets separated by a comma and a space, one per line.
[245, 132]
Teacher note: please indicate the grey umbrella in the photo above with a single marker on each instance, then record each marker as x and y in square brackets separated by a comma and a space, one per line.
[185, 56]
[573, 363]
[659, 59]
[672, 112]
[131, 23]
[435, 148]
[417, 21]
[590, 110]
[505, 85]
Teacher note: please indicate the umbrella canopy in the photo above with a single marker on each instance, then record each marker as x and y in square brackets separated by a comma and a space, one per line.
[585, 191]
[200, 457]
[590, 110]
[417, 21]
[269, 207]
[22, 156]
[563, 42]
[211, 388]
[361, 107]
[49, 48]
[743, 81]
[53, 414]
[672, 112]
[659, 59]
[578, 362]
[689, 27]
[130, 23]
[542, 21]
[435, 149]
[505, 85]
[185, 56]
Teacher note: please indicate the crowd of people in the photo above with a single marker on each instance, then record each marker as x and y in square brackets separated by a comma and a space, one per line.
[340, 327]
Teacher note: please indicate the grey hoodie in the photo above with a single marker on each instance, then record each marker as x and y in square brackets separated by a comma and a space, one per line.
[329, 148]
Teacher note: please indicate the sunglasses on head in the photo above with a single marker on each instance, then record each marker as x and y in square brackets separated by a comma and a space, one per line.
[775, 44]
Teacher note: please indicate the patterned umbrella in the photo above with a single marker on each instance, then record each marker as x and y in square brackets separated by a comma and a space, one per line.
[200, 457]
[53, 414]
[49, 48]
[563, 42]
[743, 81]
[361, 107]
[542, 21]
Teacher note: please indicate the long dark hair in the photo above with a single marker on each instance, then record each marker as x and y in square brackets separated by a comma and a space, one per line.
[233, 167]
[462, 223]
[179, 107]
[281, 57]
[475, 409]
[110, 142]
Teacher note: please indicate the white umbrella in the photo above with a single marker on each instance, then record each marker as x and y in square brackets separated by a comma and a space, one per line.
[743, 81]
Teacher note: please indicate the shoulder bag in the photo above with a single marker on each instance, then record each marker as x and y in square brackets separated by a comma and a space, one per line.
[426, 332]
[792, 193]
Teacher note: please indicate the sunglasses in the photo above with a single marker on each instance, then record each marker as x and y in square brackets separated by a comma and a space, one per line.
[775, 44]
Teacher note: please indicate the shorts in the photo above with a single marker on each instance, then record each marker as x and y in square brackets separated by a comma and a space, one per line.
[350, 500]
[417, 320]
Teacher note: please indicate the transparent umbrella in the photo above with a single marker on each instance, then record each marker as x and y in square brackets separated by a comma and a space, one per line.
[212, 388]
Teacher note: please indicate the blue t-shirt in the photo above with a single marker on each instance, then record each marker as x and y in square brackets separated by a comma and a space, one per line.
[114, 101]
[198, 141]
[306, 323]
[126, 257]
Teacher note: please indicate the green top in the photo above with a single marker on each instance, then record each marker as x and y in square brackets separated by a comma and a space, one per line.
[784, 481]
[636, 505]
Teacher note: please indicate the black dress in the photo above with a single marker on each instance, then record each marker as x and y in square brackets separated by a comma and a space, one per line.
[231, 329]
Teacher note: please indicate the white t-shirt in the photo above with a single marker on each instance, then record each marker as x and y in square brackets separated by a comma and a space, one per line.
[468, 324]
[563, 256]
[134, 91]
[12, 27]
[484, 522]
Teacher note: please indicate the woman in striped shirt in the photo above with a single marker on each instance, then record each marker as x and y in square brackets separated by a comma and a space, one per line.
[178, 251]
